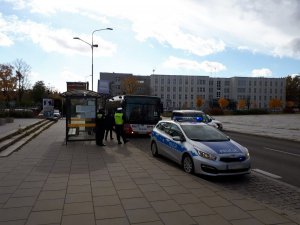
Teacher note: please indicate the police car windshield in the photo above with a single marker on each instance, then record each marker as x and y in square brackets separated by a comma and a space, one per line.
[203, 133]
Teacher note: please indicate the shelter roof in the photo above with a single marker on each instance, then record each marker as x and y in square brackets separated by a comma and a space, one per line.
[81, 93]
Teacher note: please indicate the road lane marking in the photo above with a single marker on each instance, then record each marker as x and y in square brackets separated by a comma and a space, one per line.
[267, 173]
[288, 153]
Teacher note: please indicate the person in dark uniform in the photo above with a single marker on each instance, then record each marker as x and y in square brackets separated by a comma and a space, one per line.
[109, 125]
[100, 127]
[119, 125]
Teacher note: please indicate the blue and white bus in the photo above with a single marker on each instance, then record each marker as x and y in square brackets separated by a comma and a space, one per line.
[142, 112]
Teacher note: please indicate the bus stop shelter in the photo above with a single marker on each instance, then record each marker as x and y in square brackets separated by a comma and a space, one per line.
[81, 108]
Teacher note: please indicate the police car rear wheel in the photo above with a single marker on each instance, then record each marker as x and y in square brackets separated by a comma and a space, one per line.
[187, 164]
[154, 150]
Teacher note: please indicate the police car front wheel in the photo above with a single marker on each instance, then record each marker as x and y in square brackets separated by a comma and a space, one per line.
[154, 150]
[187, 164]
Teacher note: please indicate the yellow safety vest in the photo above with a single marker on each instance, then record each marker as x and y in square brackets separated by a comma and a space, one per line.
[119, 118]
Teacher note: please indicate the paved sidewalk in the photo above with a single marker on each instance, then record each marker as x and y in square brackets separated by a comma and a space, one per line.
[47, 182]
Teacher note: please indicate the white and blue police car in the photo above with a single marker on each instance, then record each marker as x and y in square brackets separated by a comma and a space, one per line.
[199, 148]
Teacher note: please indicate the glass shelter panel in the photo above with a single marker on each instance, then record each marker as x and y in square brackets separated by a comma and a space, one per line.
[81, 119]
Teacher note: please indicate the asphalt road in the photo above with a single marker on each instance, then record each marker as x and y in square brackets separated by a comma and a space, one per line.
[280, 158]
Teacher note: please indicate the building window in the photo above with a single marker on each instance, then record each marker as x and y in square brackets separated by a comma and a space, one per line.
[174, 89]
[242, 83]
[218, 85]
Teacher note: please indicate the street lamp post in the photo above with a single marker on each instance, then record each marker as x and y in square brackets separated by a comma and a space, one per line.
[92, 47]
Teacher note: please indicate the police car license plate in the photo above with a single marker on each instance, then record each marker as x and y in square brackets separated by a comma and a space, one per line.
[234, 166]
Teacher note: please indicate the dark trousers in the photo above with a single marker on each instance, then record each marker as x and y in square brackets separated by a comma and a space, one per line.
[99, 135]
[108, 130]
[120, 133]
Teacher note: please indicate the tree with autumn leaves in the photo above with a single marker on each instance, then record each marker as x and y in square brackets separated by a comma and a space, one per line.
[223, 103]
[8, 83]
[275, 104]
[130, 85]
[293, 91]
[14, 80]
[241, 104]
[199, 102]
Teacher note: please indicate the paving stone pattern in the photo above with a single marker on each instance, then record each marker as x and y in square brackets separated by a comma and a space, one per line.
[47, 182]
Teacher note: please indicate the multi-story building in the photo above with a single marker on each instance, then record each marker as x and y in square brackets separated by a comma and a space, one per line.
[177, 91]
[115, 83]
[182, 91]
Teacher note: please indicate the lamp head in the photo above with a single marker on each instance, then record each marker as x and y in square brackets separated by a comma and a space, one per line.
[75, 37]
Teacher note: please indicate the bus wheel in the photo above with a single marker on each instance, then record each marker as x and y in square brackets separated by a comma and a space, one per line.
[154, 149]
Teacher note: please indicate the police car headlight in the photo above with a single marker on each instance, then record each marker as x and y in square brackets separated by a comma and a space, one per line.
[206, 155]
[247, 154]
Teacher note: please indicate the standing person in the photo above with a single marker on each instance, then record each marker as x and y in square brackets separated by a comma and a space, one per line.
[119, 125]
[100, 127]
[109, 125]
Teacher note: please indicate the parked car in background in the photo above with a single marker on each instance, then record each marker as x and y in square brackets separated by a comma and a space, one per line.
[189, 115]
[56, 114]
[213, 120]
[199, 148]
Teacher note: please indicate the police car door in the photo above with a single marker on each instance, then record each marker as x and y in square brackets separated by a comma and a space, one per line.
[176, 148]
[163, 139]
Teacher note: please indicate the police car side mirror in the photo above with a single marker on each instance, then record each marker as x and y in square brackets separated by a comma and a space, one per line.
[178, 138]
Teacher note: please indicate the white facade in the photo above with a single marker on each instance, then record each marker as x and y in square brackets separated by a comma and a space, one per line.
[180, 91]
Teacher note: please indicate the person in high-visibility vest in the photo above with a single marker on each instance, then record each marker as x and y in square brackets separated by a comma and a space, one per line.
[119, 125]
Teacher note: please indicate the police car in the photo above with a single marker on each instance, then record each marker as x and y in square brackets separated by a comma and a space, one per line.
[199, 148]
[180, 115]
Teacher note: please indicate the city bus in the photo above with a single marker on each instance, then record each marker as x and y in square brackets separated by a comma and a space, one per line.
[142, 112]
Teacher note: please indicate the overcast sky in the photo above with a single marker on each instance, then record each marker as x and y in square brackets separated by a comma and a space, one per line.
[215, 38]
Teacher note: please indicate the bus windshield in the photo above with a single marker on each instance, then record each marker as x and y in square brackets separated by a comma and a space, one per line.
[138, 109]
[142, 112]
[142, 109]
